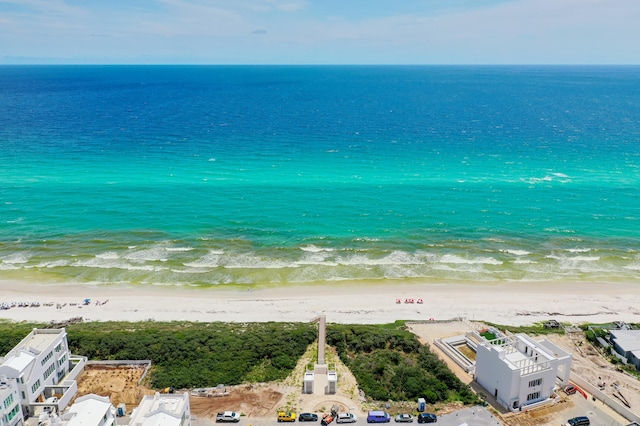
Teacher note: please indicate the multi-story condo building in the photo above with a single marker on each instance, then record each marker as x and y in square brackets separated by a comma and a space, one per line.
[10, 409]
[519, 371]
[40, 359]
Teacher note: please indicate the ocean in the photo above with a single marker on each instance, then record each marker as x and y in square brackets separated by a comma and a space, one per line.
[273, 175]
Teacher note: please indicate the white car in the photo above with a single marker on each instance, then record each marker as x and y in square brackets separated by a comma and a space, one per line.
[346, 418]
[404, 418]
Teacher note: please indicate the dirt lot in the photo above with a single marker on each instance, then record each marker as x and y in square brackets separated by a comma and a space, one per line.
[119, 383]
[589, 364]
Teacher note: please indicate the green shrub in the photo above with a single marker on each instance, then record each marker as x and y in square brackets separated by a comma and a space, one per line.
[389, 363]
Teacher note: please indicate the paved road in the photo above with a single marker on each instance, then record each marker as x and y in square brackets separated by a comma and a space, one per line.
[472, 416]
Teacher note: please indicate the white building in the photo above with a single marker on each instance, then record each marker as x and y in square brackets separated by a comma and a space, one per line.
[39, 366]
[10, 409]
[91, 410]
[519, 371]
[162, 410]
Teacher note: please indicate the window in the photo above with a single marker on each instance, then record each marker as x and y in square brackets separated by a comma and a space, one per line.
[533, 396]
[35, 386]
[49, 370]
[13, 412]
[536, 382]
[8, 401]
[46, 358]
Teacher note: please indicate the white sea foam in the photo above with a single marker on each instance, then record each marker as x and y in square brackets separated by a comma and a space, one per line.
[248, 261]
[209, 260]
[516, 252]
[108, 255]
[16, 258]
[8, 266]
[153, 254]
[578, 250]
[394, 258]
[454, 259]
[179, 249]
[315, 249]
[560, 231]
[574, 258]
[585, 258]
[53, 264]
[523, 261]
[315, 258]
[115, 264]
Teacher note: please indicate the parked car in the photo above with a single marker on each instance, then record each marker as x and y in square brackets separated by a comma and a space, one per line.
[308, 417]
[427, 418]
[404, 418]
[286, 416]
[346, 418]
[570, 389]
[376, 416]
[228, 417]
[579, 421]
[326, 419]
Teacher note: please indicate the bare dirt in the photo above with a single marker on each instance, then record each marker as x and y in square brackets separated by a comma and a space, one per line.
[119, 383]
[255, 401]
[592, 366]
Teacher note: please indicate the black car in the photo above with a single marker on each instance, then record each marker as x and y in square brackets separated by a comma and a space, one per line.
[427, 418]
[307, 417]
[579, 421]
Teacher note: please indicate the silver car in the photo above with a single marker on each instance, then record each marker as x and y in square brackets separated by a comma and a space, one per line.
[346, 418]
[404, 418]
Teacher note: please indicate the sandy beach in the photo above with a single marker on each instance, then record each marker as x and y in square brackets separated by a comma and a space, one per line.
[503, 303]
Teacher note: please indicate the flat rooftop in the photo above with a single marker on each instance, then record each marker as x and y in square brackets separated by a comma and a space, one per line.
[39, 340]
[160, 409]
[90, 411]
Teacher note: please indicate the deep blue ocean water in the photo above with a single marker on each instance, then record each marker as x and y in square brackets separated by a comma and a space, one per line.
[197, 175]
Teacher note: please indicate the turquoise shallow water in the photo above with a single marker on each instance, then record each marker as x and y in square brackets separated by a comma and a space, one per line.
[272, 175]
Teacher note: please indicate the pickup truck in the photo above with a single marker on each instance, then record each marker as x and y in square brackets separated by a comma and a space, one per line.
[227, 417]
[326, 419]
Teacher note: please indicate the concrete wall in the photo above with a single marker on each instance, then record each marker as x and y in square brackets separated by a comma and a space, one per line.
[78, 367]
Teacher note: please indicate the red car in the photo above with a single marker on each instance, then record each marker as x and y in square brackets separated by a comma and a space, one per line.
[570, 389]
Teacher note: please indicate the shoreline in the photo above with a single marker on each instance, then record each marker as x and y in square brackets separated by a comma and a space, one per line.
[508, 303]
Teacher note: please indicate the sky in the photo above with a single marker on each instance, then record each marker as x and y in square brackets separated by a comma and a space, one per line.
[320, 31]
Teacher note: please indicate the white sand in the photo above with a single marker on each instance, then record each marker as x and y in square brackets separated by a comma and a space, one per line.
[503, 303]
